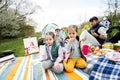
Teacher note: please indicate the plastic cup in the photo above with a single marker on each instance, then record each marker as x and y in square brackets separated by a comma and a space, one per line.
[85, 49]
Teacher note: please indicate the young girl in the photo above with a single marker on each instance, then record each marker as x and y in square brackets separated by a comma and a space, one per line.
[54, 54]
[73, 55]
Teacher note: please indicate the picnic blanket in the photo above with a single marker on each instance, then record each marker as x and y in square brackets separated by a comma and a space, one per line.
[105, 69]
[30, 68]
[91, 60]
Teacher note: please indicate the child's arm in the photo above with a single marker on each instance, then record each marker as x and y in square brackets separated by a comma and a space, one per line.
[44, 55]
[60, 54]
[59, 59]
[67, 51]
[68, 46]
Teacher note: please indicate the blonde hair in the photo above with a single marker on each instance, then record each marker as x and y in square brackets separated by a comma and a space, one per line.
[74, 27]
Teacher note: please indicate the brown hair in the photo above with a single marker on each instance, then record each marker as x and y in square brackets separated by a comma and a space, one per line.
[51, 34]
[57, 29]
[93, 18]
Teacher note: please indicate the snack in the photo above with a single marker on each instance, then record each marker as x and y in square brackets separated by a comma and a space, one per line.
[107, 46]
[96, 50]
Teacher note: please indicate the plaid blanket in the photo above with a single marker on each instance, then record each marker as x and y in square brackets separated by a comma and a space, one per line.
[30, 68]
[91, 60]
[105, 69]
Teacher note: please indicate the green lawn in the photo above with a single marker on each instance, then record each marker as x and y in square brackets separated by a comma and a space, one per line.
[17, 44]
[11, 44]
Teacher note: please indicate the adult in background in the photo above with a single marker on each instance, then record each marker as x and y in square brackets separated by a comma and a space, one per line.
[95, 35]
[115, 38]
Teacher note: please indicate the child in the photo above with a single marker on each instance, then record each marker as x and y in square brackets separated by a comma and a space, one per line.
[73, 55]
[60, 36]
[54, 54]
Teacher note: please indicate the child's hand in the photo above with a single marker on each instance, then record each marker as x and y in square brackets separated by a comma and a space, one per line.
[43, 56]
[67, 54]
[56, 65]
[70, 40]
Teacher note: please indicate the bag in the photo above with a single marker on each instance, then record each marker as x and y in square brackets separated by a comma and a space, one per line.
[81, 52]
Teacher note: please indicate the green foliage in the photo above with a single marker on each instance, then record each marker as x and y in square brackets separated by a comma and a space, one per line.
[65, 30]
[82, 26]
[8, 24]
[114, 19]
[26, 30]
[38, 35]
[12, 25]
[110, 34]
[113, 11]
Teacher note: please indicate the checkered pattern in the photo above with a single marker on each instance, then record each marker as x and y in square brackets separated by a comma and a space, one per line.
[105, 69]
[91, 60]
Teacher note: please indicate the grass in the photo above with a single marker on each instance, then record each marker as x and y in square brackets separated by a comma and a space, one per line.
[11, 44]
[17, 44]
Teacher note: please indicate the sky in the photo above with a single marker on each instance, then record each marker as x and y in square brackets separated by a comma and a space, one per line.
[66, 12]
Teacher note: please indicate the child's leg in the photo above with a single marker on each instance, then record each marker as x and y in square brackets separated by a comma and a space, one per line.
[59, 69]
[66, 56]
[69, 65]
[47, 64]
[81, 63]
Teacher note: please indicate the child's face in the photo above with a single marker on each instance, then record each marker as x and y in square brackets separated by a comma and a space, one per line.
[49, 40]
[72, 33]
[57, 31]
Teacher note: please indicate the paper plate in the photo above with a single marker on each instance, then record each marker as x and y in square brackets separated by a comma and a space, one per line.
[107, 50]
[111, 56]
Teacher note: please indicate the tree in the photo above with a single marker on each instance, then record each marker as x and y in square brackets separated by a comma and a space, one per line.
[4, 4]
[8, 24]
[13, 17]
[25, 7]
[26, 30]
[113, 11]
[12, 26]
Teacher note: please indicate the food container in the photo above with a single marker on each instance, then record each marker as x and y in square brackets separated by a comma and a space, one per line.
[108, 46]
[85, 49]
[117, 46]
